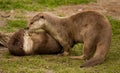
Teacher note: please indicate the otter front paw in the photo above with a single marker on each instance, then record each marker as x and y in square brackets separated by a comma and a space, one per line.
[65, 53]
[78, 57]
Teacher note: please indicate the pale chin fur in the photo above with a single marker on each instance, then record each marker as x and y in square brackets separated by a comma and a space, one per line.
[38, 24]
[28, 43]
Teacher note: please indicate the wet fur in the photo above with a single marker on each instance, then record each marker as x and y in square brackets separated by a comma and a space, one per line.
[43, 43]
[89, 27]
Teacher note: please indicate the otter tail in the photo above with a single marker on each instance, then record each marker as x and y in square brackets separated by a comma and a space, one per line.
[98, 57]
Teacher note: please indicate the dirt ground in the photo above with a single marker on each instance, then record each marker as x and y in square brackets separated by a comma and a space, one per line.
[107, 7]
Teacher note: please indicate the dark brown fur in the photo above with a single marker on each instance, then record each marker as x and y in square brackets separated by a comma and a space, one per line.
[89, 27]
[15, 44]
[43, 43]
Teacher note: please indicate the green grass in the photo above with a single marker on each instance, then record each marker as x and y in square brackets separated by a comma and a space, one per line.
[13, 25]
[38, 4]
[60, 64]
[53, 63]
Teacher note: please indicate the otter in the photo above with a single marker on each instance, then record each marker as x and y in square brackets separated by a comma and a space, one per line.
[23, 43]
[88, 27]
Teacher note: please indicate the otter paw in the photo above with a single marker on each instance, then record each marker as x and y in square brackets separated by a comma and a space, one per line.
[78, 57]
[65, 53]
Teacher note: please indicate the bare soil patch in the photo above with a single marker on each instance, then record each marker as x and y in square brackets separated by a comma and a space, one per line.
[107, 7]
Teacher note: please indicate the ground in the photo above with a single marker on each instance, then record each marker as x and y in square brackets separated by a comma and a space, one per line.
[58, 64]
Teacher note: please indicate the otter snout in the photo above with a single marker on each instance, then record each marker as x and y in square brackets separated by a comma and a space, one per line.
[26, 28]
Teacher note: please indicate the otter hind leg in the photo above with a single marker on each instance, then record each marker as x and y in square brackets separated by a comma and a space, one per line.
[88, 50]
[98, 57]
[89, 47]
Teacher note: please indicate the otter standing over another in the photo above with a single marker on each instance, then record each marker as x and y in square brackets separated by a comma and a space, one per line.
[89, 27]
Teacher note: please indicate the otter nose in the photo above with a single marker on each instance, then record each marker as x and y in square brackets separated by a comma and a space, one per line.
[26, 28]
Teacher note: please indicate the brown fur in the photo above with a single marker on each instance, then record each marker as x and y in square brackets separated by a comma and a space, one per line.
[89, 27]
[15, 44]
[43, 43]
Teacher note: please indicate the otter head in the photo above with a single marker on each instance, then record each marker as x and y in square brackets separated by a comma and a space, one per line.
[20, 44]
[38, 21]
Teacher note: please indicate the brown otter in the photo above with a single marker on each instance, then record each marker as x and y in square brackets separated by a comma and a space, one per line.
[22, 43]
[89, 27]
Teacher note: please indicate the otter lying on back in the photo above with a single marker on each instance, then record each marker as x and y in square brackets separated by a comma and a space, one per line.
[22, 43]
[89, 27]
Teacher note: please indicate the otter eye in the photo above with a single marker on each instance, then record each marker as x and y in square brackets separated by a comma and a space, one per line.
[31, 23]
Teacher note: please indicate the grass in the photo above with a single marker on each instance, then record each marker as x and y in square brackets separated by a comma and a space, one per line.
[37, 4]
[53, 63]
[60, 64]
[13, 25]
